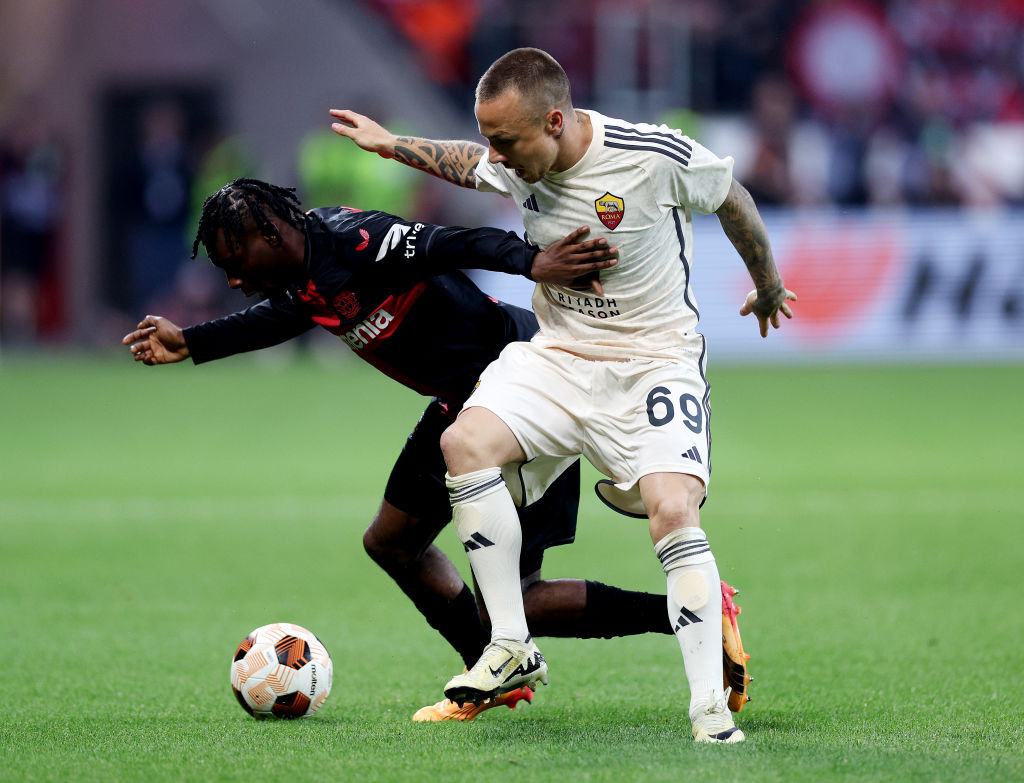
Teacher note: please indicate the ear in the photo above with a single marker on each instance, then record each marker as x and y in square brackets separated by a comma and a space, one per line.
[554, 123]
[270, 234]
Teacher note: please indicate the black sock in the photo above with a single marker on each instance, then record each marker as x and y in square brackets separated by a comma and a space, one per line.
[611, 612]
[458, 621]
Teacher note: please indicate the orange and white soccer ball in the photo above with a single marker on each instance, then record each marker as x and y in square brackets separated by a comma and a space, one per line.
[281, 670]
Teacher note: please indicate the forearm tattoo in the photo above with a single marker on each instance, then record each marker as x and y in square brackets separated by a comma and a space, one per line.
[746, 231]
[454, 161]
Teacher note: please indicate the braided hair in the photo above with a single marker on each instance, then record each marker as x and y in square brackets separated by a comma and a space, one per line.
[227, 209]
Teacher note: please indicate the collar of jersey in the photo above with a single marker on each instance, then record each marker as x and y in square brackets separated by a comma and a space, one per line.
[322, 259]
[590, 156]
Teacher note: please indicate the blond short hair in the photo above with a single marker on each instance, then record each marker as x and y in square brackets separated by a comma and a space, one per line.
[534, 74]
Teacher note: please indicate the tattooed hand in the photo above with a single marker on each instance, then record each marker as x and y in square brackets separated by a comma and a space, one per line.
[369, 135]
[743, 225]
[453, 161]
[766, 306]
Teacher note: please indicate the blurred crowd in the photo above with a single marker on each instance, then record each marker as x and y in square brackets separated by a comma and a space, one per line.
[32, 171]
[844, 102]
[828, 102]
[160, 166]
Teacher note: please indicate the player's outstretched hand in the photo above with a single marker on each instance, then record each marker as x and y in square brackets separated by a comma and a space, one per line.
[574, 263]
[156, 341]
[767, 306]
[368, 134]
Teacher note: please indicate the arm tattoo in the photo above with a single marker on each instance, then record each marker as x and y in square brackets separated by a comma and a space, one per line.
[454, 161]
[746, 231]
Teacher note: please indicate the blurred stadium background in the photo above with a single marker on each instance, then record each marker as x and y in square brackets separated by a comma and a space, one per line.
[884, 142]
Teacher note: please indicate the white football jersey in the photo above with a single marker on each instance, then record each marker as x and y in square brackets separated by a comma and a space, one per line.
[636, 186]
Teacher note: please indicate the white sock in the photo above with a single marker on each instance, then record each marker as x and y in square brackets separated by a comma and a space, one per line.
[487, 524]
[695, 610]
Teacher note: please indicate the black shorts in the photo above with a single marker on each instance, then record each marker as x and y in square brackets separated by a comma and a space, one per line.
[416, 486]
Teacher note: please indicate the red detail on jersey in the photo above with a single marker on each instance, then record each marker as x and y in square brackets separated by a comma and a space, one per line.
[369, 339]
[323, 313]
[310, 295]
[366, 239]
[396, 308]
[346, 304]
[327, 315]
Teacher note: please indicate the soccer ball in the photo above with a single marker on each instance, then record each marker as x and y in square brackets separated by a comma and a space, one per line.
[281, 670]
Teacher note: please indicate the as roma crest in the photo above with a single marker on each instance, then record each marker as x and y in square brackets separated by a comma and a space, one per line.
[346, 304]
[610, 209]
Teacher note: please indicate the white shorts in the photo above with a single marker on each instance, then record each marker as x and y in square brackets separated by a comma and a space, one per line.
[629, 419]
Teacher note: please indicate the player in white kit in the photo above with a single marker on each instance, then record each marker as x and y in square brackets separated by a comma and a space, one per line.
[616, 372]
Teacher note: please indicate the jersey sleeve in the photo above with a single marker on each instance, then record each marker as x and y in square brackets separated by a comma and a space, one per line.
[693, 176]
[414, 252]
[491, 178]
[270, 322]
[492, 249]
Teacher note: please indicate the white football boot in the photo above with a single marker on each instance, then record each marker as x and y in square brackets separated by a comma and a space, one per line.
[714, 723]
[504, 666]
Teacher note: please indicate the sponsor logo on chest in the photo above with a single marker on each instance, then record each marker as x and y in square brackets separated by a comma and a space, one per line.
[363, 333]
[594, 306]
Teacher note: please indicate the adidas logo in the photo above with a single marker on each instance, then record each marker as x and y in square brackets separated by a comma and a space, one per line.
[477, 541]
[693, 454]
[686, 617]
[531, 203]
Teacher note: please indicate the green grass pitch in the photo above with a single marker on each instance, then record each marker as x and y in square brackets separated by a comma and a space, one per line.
[151, 517]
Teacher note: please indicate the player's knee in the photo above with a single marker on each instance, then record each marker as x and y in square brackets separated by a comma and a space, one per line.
[383, 550]
[463, 452]
[679, 508]
[478, 440]
[672, 502]
[672, 514]
[373, 545]
[451, 440]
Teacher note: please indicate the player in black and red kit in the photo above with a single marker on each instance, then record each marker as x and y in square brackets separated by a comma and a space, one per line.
[392, 291]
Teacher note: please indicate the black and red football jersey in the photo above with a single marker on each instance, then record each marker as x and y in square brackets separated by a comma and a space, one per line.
[392, 290]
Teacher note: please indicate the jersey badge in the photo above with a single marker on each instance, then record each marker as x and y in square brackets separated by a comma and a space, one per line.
[531, 203]
[366, 239]
[610, 209]
[346, 304]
